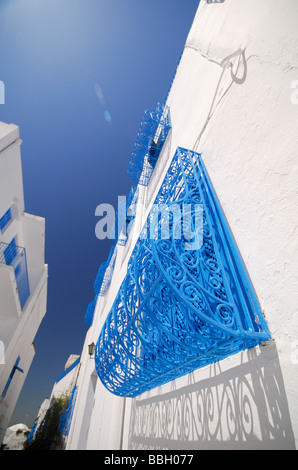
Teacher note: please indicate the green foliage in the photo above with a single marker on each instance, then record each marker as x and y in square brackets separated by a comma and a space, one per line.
[47, 436]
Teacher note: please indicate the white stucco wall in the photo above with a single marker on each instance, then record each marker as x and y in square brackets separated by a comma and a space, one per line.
[248, 141]
[18, 326]
[233, 100]
[65, 383]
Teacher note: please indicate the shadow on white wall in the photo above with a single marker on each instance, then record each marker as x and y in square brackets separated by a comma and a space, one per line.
[242, 408]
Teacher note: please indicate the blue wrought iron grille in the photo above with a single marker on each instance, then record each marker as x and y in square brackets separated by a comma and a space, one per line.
[181, 306]
[89, 315]
[118, 234]
[124, 217]
[131, 208]
[15, 256]
[101, 284]
[152, 134]
[65, 420]
[108, 272]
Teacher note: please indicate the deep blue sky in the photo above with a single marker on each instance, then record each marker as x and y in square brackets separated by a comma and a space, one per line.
[54, 56]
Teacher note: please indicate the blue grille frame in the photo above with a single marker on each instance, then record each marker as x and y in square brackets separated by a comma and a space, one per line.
[178, 310]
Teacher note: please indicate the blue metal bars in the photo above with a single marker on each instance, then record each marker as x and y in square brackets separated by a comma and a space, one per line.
[65, 420]
[89, 315]
[186, 300]
[152, 134]
[124, 217]
[15, 256]
[14, 369]
[101, 283]
[108, 271]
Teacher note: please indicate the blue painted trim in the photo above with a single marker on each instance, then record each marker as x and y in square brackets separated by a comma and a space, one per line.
[15, 256]
[14, 369]
[65, 420]
[69, 369]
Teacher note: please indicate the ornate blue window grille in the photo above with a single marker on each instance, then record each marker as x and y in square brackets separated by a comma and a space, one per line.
[152, 134]
[101, 283]
[65, 420]
[118, 235]
[124, 217]
[15, 256]
[108, 271]
[131, 208]
[180, 306]
[89, 315]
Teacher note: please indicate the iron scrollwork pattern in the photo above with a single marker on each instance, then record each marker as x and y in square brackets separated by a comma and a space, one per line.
[181, 306]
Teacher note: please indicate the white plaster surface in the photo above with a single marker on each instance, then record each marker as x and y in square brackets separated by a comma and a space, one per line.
[233, 101]
[18, 326]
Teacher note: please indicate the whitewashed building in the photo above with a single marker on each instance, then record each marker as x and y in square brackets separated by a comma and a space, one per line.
[64, 389]
[197, 348]
[23, 275]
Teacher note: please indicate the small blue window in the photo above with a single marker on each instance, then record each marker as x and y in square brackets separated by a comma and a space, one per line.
[5, 219]
[18, 269]
[15, 367]
[10, 252]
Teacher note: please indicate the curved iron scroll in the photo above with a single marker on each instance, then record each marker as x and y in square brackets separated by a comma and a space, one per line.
[184, 302]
